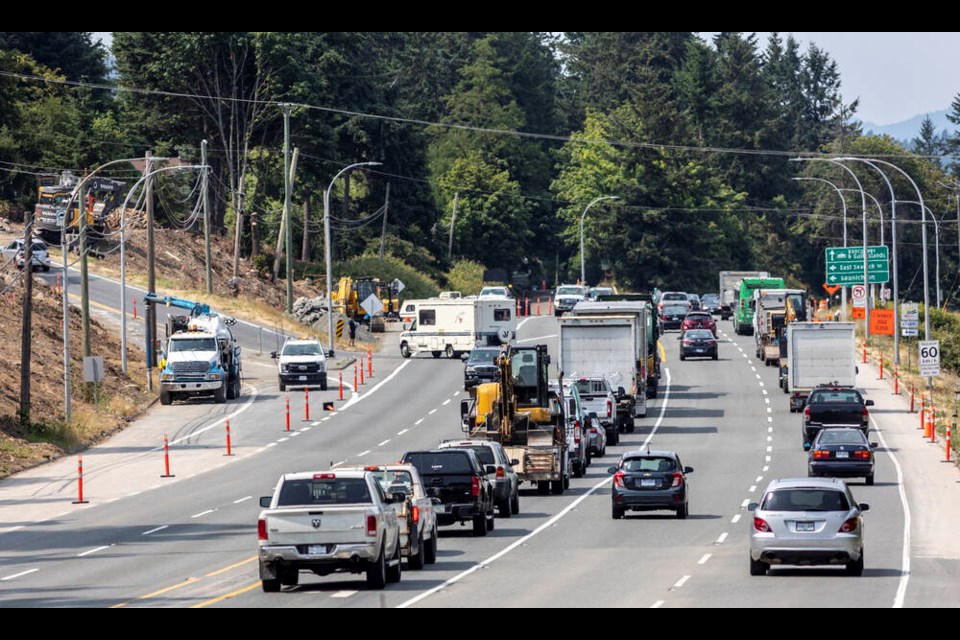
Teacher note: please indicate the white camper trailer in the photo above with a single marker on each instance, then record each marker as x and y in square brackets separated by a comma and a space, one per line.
[456, 326]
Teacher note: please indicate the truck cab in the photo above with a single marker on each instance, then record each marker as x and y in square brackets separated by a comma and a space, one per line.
[301, 363]
[201, 358]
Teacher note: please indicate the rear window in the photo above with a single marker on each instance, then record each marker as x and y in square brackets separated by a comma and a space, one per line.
[699, 316]
[699, 334]
[805, 500]
[635, 465]
[394, 481]
[501, 315]
[835, 396]
[485, 454]
[434, 464]
[325, 491]
[674, 296]
[841, 436]
[590, 387]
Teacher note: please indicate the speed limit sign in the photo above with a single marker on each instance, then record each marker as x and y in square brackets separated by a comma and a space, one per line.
[930, 358]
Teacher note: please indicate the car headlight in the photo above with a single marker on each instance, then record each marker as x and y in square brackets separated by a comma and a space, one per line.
[166, 377]
[213, 376]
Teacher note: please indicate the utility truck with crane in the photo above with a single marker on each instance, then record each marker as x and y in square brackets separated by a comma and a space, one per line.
[202, 356]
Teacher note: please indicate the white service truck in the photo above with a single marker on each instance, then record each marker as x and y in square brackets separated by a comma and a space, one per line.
[612, 346]
[648, 357]
[818, 353]
[456, 326]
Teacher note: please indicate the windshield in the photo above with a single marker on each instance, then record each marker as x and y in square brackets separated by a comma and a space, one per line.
[590, 387]
[634, 465]
[308, 349]
[805, 500]
[324, 491]
[485, 454]
[483, 356]
[699, 334]
[493, 291]
[395, 481]
[570, 291]
[193, 344]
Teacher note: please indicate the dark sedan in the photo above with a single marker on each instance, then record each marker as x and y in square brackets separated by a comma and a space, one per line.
[672, 316]
[649, 480]
[710, 302]
[842, 453]
[698, 343]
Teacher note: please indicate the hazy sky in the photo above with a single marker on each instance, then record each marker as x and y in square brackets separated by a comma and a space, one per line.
[895, 75]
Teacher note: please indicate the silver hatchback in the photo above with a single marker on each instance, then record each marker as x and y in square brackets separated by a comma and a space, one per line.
[807, 521]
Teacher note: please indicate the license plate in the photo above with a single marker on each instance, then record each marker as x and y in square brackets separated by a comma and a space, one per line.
[699, 350]
[440, 508]
[842, 455]
[316, 549]
[648, 483]
[806, 526]
[303, 378]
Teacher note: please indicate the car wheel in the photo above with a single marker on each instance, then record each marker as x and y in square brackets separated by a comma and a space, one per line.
[566, 482]
[758, 568]
[870, 480]
[617, 512]
[515, 505]
[652, 394]
[417, 561]
[682, 357]
[282, 387]
[271, 585]
[543, 487]
[715, 357]
[504, 508]
[231, 388]
[479, 525]
[166, 398]
[856, 568]
[323, 385]
[614, 437]
[556, 486]
[577, 469]
[405, 350]
[394, 572]
[377, 571]
[430, 551]
[450, 353]
[683, 511]
[490, 521]
[631, 425]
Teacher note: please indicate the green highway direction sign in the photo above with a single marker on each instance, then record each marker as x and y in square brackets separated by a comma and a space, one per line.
[845, 265]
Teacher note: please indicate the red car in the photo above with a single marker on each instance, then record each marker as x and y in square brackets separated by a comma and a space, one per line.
[699, 320]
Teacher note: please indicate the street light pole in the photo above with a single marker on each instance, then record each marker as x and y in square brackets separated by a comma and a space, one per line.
[880, 211]
[583, 262]
[326, 247]
[287, 110]
[936, 250]
[843, 202]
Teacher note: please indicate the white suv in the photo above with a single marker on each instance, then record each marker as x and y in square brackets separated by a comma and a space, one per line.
[301, 363]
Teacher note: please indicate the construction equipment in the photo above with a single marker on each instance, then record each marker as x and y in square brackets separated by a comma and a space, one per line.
[101, 197]
[202, 356]
[350, 294]
[521, 413]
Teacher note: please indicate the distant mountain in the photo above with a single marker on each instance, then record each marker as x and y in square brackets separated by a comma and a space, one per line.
[907, 130]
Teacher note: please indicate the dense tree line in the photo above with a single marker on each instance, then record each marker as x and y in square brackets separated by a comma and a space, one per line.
[695, 138]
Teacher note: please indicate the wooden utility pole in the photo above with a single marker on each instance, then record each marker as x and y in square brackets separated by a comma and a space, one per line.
[254, 235]
[453, 221]
[305, 251]
[26, 327]
[206, 215]
[84, 276]
[383, 232]
[238, 228]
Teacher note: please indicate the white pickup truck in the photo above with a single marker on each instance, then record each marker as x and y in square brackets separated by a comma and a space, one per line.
[415, 514]
[326, 522]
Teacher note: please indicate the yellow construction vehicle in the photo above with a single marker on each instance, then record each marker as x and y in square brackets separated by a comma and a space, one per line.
[53, 193]
[521, 413]
[349, 294]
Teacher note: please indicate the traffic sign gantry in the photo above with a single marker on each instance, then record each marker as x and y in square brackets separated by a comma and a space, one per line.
[844, 265]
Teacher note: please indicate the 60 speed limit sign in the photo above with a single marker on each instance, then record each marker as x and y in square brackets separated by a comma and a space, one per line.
[930, 358]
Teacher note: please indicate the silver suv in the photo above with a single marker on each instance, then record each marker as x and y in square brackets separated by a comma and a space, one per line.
[807, 521]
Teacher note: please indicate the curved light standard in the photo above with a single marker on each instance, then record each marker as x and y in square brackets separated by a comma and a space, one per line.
[880, 211]
[326, 242]
[583, 262]
[843, 201]
[936, 240]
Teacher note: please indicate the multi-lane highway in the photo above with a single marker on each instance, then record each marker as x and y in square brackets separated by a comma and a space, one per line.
[192, 541]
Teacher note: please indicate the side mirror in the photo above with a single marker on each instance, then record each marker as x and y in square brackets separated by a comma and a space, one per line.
[864, 507]
[874, 445]
[870, 403]
[753, 506]
[265, 501]
[680, 337]
[490, 469]
[621, 391]
[806, 446]
[612, 469]
[273, 354]
[464, 410]
[688, 469]
[514, 462]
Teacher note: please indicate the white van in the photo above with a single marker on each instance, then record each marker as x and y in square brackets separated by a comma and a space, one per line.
[453, 327]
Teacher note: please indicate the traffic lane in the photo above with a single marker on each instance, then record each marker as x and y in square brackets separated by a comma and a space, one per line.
[219, 487]
[716, 429]
[724, 579]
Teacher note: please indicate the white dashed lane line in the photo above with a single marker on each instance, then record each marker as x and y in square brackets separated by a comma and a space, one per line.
[418, 422]
[152, 531]
[657, 604]
[706, 557]
[679, 585]
[752, 489]
[446, 402]
[384, 442]
[363, 453]
[93, 551]
[19, 575]
[400, 433]
[343, 594]
[203, 513]
[723, 536]
[431, 412]
[243, 499]
[735, 519]
[745, 503]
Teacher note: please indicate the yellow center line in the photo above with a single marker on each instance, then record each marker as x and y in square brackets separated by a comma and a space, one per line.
[187, 582]
[663, 352]
[227, 596]
[233, 566]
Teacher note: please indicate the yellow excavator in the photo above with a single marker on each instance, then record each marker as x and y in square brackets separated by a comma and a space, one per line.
[349, 294]
[520, 412]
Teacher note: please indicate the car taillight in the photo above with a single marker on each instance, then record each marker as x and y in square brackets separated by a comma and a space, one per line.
[594, 430]
[820, 454]
[475, 487]
[576, 432]
[866, 414]
[372, 526]
[759, 524]
[415, 514]
[618, 479]
[500, 472]
[609, 408]
[806, 414]
[850, 525]
[262, 529]
[677, 479]
[687, 343]
[861, 455]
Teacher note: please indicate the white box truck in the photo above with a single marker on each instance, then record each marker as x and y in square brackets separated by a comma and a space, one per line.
[818, 353]
[648, 357]
[607, 346]
[456, 326]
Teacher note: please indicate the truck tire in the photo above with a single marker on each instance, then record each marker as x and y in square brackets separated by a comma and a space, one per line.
[290, 576]
[405, 350]
[556, 487]
[395, 572]
[271, 585]
[323, 384]
[436, 354]
[166, 398]
[503, 507]
[231, 390]
[491, 521]
[614, 438]
[416, 561]
[515, 504]
[479, 525]
[282, 386]
[220, 395]
[543, 487]
[430, 550]
[449, 352]
[377, 571]
[631, 425]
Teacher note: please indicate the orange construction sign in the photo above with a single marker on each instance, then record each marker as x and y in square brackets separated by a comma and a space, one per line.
[881, 322]
[831, 289]
[859, 313]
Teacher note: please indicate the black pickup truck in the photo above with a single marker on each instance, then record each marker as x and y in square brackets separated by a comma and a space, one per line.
[461, 483]
[833, 406]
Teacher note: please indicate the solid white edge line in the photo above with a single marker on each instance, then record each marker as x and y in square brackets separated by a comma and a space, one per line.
[19, 575]
[705, 558]
[355, 398]
[160, 528]
[92, 551]
[343, 594]
[898, 601]
[543, 527]
[243, 499]
[334, 466]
